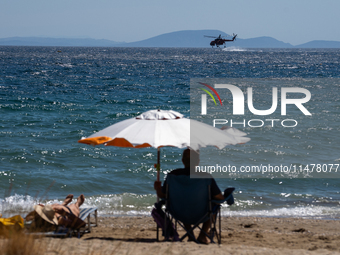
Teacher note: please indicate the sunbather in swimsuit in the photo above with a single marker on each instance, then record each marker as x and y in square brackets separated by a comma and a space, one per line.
[68, 215]
[57, 214]
[64, 216]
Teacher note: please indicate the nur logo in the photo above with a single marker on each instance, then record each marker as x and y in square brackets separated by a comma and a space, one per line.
[204, 97]
[238, 99]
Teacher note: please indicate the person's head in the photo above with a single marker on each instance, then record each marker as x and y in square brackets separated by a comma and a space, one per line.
[43, 218]
[190, 158]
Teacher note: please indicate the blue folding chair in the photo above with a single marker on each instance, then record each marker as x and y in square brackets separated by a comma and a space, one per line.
[188, 200]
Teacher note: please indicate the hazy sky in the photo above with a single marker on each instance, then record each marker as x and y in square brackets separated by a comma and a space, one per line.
[292, 21]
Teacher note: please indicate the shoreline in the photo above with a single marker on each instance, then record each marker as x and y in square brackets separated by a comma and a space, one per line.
[319, 217]
[240, 235]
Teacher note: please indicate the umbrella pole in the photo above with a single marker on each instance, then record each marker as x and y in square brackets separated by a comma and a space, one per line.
[158, 163]
[158, 167]
[158, 173]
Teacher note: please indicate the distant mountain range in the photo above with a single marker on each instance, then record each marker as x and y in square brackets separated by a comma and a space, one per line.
[186, 38]
[45, 41]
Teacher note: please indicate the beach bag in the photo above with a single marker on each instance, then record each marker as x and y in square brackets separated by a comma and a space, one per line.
[159, 217]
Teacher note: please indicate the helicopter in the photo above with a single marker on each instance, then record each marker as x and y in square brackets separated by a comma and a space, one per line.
[220, 41]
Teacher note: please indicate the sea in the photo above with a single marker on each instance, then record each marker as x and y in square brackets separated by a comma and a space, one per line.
[50, 97]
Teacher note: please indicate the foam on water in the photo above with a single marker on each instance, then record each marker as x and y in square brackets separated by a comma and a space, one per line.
[128, 204]
[234, 49]
[319, 212]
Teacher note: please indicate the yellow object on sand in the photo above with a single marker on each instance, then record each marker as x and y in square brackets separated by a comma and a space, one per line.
[9, 224]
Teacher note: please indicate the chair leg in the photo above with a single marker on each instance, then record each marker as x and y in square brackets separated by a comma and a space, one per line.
[215, 219]
[212, 227]
[220, 226]
[166, 226]
[219, 232]
[89, 223]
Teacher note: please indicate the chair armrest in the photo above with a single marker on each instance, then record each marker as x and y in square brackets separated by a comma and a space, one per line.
[224, 200]
[220, 201]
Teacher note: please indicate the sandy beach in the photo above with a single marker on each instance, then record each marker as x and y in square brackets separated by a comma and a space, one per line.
[240, 235]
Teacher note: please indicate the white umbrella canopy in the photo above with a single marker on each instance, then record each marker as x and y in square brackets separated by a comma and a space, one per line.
[157, 128]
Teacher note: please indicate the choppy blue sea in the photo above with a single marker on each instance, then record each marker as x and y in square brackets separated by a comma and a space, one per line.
[50, 97]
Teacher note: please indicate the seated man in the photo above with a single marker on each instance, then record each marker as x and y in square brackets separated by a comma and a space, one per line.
[215, 191]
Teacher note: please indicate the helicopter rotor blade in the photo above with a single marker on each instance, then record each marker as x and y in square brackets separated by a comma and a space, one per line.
[210, 36]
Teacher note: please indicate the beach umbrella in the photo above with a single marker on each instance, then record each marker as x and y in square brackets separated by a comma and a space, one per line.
[158, 128]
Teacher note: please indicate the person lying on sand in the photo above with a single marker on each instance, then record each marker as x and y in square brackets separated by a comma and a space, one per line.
[47, 216]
